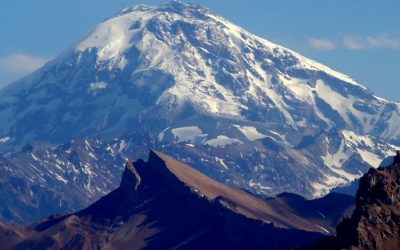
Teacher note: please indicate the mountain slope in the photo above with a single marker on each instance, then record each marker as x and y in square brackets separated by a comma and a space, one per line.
[42, 179]
[164, 203]
[177, 56]
[178, 75]
[9, 236]
[269, 167]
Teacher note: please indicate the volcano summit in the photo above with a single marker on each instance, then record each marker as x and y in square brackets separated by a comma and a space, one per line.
[180, 78]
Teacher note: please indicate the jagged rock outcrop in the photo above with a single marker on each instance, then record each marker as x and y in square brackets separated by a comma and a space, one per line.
[163, 204]
[375, 223]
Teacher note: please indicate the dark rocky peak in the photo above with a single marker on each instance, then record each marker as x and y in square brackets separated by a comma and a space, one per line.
[130, 178]
[163, 177]
[151, 178]
[380, 186]
[375, 222]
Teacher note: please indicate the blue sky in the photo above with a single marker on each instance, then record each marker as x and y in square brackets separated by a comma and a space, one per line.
[358, 38]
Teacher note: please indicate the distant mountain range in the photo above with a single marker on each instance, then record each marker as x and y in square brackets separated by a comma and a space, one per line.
[42, 180]
[163, 203]
[182, 80]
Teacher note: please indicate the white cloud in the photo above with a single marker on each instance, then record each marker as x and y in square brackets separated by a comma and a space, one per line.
[384, 41]
[20, 63]
[380, 41]
[321, 44]
[353, 42]
[357, 42]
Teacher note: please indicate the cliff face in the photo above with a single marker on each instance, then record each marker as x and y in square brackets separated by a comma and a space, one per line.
[376, 219]
[375, 223]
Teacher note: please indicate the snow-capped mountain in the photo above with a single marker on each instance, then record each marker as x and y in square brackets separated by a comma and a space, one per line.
[179, 78]
[311, 168]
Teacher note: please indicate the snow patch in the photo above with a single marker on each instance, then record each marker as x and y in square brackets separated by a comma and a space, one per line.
[344, 105]
[5, 139]
[98, 85]
[60, 178]
[35, 158]
[113, 37]
[92, 156]
[188, 134]
[259, 186]
[162, 134]
[221, 162]
[368, 148]
[122, 145]
[369, 157]
[335, 159]
[250, 132]
[324, 229]
[222, 141]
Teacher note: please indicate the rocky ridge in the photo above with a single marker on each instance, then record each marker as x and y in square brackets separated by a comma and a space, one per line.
[163, 203]
[375, 222]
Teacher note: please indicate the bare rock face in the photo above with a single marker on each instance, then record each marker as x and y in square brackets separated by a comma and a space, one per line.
[375, 223]
[377, 215]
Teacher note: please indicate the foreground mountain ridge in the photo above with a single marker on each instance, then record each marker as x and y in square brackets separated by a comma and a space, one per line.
[181, 79]
[164, 203]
